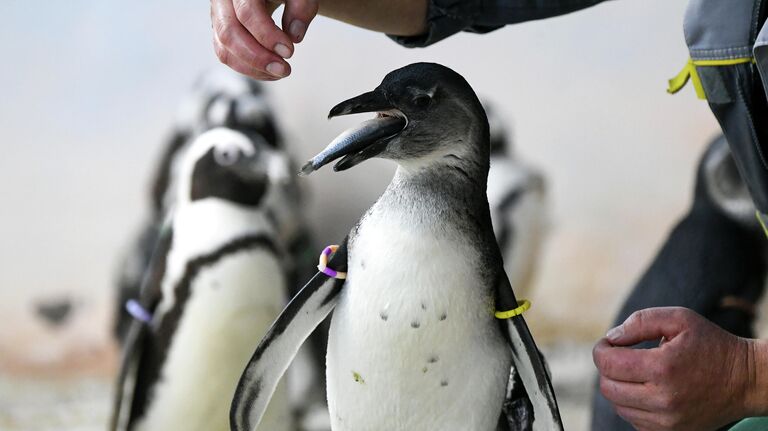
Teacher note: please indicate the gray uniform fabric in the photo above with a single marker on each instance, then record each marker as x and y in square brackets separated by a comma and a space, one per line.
[720, 29]
[725, 30]
[448, 17]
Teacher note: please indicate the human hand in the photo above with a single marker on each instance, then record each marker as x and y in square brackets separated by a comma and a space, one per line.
[246, 38]
[699, 378]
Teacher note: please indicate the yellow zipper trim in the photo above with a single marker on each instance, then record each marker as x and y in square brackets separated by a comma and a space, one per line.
[689, 72]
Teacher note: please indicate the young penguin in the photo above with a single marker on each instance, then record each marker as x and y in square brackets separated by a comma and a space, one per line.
[215, 284]
[414, 344]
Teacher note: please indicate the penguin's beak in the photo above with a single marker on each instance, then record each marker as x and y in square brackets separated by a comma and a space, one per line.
[364, 141]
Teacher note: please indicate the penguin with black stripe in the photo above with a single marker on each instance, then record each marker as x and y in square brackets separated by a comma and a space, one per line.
[215, 283]
[517, 196]
[425, 326]
[219, 98]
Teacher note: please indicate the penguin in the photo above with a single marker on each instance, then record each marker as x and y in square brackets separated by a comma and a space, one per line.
[414, 342]
[215, 283]
[517, 195]
[714, 261]
[218, 98]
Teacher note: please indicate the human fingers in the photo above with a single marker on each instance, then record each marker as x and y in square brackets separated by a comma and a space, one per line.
[238, 65]
[297, 16]
[231, 40]
[650, 324]
[622, 363]
[256, 17]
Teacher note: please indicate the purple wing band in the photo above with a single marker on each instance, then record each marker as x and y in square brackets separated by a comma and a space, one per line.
[329, 272]
[138, 311]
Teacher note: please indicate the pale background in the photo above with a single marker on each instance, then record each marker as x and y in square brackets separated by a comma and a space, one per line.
[89, 89]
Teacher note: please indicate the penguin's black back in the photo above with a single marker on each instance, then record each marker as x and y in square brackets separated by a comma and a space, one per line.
[707, 256]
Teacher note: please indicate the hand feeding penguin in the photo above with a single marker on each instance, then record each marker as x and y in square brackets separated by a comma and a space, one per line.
[414, 343]
[517, 198]
[715, 262]
[218, 98]
[215, 284]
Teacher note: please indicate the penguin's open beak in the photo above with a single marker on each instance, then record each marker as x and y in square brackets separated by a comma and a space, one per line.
[364, 141]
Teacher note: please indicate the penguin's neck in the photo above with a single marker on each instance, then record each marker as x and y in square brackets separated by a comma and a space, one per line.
[447, 188]
[466, 172]
[210, 223]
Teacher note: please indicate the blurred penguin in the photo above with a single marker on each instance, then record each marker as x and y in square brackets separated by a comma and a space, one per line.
[714, 262]
[517, 198]
[216, 283]
[219, 98]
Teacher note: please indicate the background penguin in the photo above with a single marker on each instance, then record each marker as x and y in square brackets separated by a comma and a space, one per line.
[517, 198]
[218, 98]
[714, 262]
[215, 284]
[414, 344]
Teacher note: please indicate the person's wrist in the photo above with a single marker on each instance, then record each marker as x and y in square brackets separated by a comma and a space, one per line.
[756, 393]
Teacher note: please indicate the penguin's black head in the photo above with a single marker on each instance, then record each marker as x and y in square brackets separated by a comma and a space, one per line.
[226, 164]
[424, 111]
[219, 98]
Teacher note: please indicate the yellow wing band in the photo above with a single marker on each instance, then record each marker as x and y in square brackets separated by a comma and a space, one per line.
[689, 72]
[522, 306]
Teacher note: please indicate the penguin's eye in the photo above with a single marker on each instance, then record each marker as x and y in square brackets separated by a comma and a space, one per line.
[226, 156]
[421, 101]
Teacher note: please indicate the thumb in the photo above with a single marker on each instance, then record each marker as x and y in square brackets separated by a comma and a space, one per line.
[650, 324]
[272, 7]
[297, 16]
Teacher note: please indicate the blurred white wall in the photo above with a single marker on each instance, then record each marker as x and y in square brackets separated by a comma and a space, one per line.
[89, 89]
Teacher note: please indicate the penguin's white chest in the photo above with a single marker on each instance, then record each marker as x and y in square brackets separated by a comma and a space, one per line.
[230, 307]
[413, 342]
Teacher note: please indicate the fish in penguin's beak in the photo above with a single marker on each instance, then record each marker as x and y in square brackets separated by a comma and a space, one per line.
[365, 140]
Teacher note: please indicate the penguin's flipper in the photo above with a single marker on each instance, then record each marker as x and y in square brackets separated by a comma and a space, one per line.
[528, 362]
[517, 410]
[126, 380]
[133, 345]
[281, 343]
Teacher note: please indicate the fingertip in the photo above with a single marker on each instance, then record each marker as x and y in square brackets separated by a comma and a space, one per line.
[297, 29]
[283, 50]
[614, 334]
[278, 69]
[297, 16]
[598, 352]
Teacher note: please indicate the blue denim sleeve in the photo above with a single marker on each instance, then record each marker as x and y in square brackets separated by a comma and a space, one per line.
[448, 17]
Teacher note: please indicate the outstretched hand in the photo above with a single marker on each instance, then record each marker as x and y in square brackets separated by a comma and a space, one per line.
[246, 38]
[699, 378]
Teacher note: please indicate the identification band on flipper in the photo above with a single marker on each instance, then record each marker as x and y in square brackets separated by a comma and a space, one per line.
[689, 72]
[522, 306]
[322, 265]
[135, 309]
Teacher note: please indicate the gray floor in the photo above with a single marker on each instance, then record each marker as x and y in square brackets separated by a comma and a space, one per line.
[82, 404]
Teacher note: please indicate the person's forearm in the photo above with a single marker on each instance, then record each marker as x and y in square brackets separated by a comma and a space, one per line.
[757, 398]
[396, 17]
